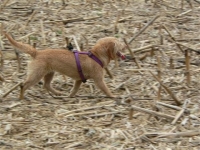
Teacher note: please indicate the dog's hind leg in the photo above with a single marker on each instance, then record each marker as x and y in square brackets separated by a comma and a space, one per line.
[36, 70]
[32, 79]
[47, 80]
[76, 86]
[100, 83]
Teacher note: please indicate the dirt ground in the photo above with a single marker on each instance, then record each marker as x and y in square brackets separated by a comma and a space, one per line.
[158, 104]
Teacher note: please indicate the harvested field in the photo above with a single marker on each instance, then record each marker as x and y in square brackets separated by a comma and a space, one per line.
[158, 85]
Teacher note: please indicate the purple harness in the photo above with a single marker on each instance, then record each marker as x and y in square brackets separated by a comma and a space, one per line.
[76, 53]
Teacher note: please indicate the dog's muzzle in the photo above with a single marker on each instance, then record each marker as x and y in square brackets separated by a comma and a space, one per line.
[121, 55]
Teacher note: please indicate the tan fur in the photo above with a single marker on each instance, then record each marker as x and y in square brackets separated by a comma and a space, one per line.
[45, 62]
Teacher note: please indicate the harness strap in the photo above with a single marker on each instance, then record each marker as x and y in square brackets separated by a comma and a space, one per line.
[76, 53]
[79, 67]
[95, 58]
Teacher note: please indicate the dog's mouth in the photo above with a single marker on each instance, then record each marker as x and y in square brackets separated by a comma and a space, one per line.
[121, 55]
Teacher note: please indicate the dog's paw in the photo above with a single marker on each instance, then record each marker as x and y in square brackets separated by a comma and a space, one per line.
[112, 96]
[57, 93]
[71, 95]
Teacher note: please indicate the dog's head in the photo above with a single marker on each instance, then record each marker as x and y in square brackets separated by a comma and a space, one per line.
[112, 47]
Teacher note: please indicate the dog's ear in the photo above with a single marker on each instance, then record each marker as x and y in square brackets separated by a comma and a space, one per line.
[114, 47]
[111, 50]
[117, 47]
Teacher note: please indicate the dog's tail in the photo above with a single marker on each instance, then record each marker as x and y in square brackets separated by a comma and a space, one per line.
[21, 46]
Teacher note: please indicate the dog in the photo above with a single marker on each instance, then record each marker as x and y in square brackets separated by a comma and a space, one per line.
[46, 62]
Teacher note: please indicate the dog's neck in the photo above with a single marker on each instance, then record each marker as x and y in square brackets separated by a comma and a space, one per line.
[103, 57]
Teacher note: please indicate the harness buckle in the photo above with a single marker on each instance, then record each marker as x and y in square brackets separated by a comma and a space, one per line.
[74, 51]
[89, 54]
[84, 80]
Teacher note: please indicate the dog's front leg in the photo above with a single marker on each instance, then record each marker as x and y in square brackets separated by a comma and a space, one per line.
[100, 83]
[76, 86]
[21, 96]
